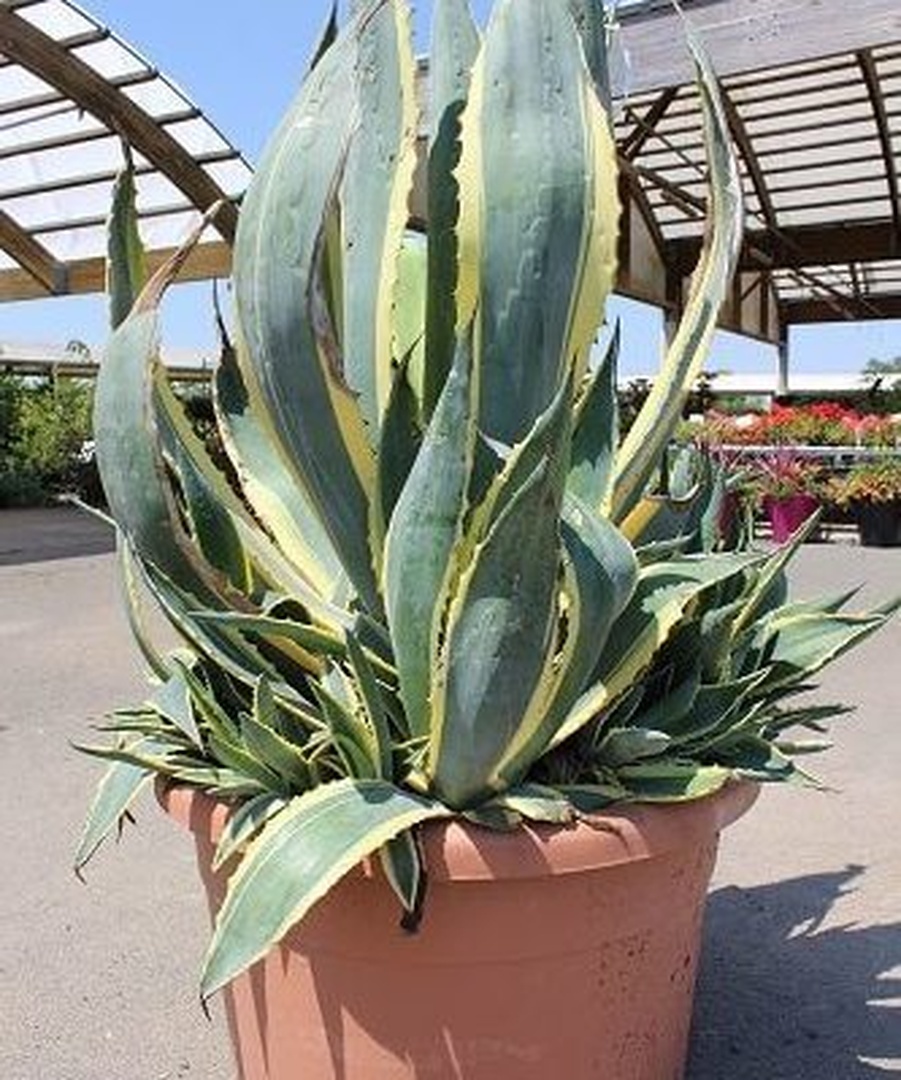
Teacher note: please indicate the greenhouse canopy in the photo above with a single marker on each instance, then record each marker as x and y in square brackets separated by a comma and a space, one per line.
[72, 96]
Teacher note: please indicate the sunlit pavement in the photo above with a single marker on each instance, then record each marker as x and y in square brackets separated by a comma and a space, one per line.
[801, 975]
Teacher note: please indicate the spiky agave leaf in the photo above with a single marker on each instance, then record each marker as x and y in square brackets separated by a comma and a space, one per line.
[538, 212]
[377, 180]
[425, 526]
[642, 449]
[293, 362]
[431, 583]
[267, 483]
[454, 47]
[304, 850]
[494, 669]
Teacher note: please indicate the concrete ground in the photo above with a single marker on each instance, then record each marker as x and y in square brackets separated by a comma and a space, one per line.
[801, 974]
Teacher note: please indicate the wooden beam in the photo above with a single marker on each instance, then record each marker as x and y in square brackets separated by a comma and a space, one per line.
[209, 260]
[802, 245]
[750, 35]
[44, 271]
[817, 311]
[752, 164]
[693, 206]
[871, 78]
[630, 187]
[40, 54]
[631, 145]
[855, 280]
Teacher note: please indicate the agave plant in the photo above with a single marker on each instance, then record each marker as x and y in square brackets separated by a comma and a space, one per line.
[431, 580]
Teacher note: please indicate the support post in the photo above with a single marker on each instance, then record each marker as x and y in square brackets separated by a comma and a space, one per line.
[782, 362]
[672, 313]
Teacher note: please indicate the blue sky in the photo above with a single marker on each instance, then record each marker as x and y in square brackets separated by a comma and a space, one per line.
[241, 66]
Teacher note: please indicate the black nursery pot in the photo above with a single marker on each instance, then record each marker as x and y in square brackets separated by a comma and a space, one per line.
[879, 523]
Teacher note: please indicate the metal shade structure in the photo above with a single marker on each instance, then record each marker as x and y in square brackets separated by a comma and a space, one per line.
[813, 97]
[813, 94]
[71, 95]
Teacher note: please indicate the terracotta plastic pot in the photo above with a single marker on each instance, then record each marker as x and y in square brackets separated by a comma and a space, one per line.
[549, 952]
[787, 515]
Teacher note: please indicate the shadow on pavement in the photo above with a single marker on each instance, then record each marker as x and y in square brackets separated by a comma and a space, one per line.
[781, 995]
[63, 532]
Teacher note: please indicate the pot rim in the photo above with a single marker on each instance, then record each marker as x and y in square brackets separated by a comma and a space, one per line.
[461, 851]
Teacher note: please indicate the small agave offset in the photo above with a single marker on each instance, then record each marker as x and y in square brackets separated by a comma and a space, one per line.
[429, 579]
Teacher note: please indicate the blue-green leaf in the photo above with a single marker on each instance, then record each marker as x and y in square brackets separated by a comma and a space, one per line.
[454, 47]
[378, 178]
[596, 433]
[402, 862]
[422, 532]
[126, 264]
[293, 362]
[641, 451]
[172, 700]
[120, 785]
[537, 164]
[305, 850]
[268, 484]
[244, 823]
[501, 630]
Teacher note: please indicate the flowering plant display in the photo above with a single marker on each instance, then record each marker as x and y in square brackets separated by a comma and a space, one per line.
[782, 474]
[876, 481]
[822, 423]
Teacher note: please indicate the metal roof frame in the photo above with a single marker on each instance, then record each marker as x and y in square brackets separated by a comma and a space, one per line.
[71, 94]
[813, 97]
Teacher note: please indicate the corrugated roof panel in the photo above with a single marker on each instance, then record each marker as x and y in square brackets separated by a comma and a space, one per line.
[197, 137]
[63, 163]
[50, 123]
[813, 135]
[156, 97]
[76, 242]
[58, 20]
[16, 83]
[842, 115]
[864, 211]
[230, 175]
[776, 89]
[154, 190]
[171, 230]
[785, 76]
[823, 176]
[57, 207]
[684, 228]
[109, 59]
[853, 191]
[825, 99]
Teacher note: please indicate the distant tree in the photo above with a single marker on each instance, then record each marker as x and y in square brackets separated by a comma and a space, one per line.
[883, 367]
[78, 350]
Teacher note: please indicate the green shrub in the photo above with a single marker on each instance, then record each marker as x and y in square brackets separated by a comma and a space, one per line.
[44, 425]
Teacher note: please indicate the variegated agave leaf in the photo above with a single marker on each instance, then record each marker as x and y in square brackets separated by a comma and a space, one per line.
[642, 449]
[538, 212]
[421, 575]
